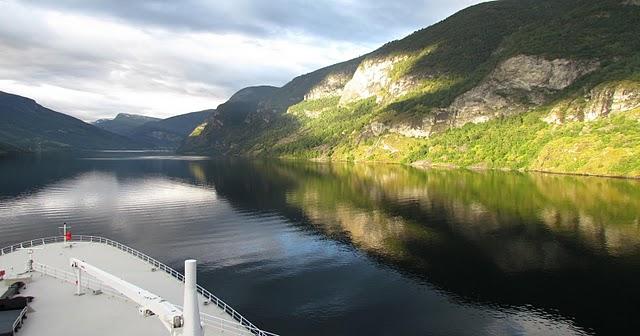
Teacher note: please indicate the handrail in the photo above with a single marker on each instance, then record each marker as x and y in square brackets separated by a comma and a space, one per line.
[70, 277]
[20, 318]
[97, 239]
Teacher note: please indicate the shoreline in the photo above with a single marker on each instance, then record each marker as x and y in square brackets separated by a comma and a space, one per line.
[417, 164]
[452, 166]
[420, 165]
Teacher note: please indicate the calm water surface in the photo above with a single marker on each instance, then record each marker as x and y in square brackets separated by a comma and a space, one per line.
[341, 249]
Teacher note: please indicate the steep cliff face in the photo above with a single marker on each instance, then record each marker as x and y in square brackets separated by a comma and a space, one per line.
[372, 79]
[609, 99]
[516, 85]
[441, 94]
[328, 81]
[332, 84]
[604, 100]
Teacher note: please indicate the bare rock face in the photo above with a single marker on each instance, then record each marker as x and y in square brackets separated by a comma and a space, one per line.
[331, 85]
[631, 2]
[532, 72]
[402, 86]
[371, 79]
[602, 101]
[516, 85]
[412, 131]
[610, 99]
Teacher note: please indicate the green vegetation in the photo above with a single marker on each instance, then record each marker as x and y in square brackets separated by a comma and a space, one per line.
[316, 105]
[589, 29]
[504, 143]
[321, 125]
[441, 62]
[608, 146]
[198, 130]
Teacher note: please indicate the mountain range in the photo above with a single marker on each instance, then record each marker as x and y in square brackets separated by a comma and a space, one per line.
[153, 132]
[26, 126]
[549, 85]
[123, 123]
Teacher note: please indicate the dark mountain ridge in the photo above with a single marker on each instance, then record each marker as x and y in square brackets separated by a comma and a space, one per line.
[123, 123]
[27, 126]
[169, 133]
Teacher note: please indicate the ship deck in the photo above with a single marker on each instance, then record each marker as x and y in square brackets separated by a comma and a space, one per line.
[57, 311]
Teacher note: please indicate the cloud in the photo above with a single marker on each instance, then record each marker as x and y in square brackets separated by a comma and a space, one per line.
[361, 20]
[94, 59]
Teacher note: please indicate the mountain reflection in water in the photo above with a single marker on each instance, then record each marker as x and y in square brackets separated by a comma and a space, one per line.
[306, 248]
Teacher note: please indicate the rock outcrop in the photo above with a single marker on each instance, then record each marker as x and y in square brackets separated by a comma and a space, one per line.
[605, 100]
[373, 78]
[332, 85]
[325, 82]
[516, 85]
[602, 101]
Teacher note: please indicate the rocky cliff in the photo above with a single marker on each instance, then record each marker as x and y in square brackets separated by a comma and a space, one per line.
[516, 85]
[543, 63]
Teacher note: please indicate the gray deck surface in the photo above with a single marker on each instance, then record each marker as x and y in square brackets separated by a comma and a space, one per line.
[57, 311]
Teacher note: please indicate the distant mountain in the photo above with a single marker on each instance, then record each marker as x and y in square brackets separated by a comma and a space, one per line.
[232, 118]
[123, 123]
[27, 126]
[545, 85]
[171, 132]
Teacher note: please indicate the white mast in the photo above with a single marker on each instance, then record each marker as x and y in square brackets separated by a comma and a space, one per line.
[64, 228]
[190, 310]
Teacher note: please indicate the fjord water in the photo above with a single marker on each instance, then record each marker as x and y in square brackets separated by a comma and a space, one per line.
[355, 249]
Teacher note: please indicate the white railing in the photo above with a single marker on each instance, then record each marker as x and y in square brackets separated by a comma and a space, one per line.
[227, 327]
[70, 277]
[18, 321]
[211, 299]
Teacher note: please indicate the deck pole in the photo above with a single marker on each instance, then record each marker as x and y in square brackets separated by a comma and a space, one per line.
[191, 311]
[78, 282]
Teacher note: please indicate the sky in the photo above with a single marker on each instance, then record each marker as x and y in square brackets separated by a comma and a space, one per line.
[94, 59]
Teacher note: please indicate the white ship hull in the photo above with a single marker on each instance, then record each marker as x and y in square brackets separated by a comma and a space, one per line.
[102, 310]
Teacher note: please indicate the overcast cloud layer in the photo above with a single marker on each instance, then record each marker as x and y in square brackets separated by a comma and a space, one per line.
[94, 59]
